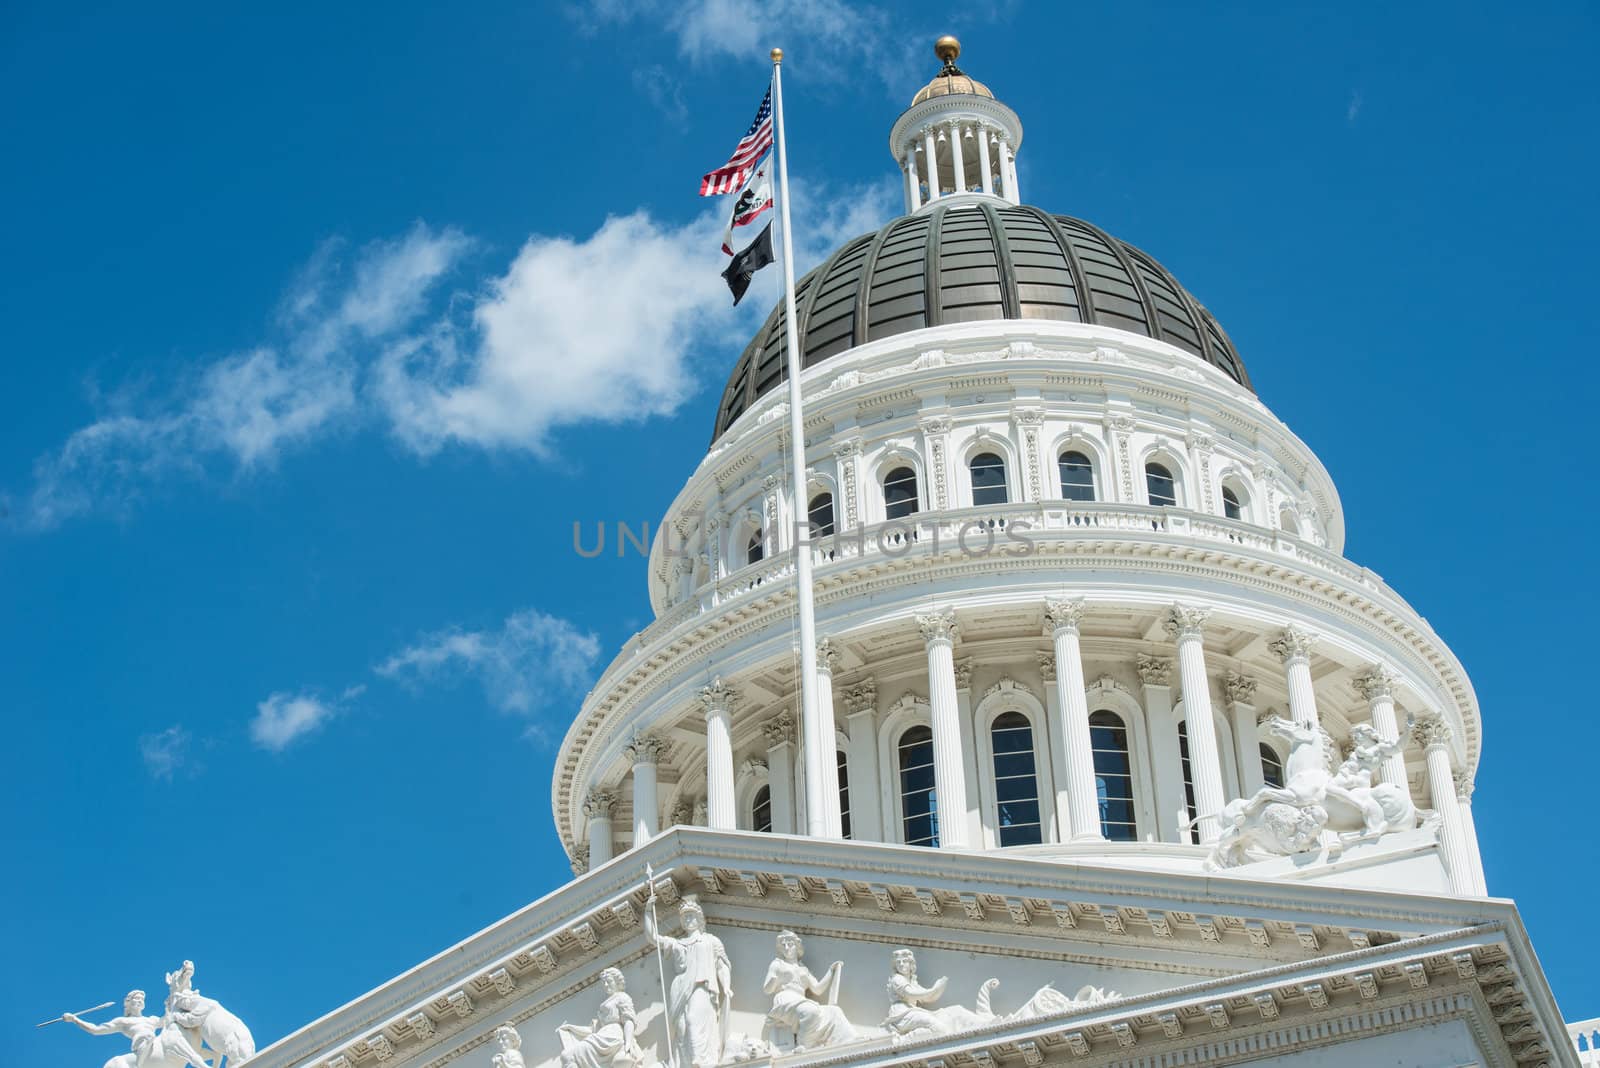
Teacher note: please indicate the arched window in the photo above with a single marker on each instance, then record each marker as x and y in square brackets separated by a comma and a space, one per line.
[900, 493]
[1016, 781]
[1077, 477]
[1287, 521]
[761, 810]
[820, 512]
[919, 807]
[1160, 485]
[988, 479]
[844, 794]
[1190, 832]
[754, 550]
[1230, 504]
[1271, 766]
[1113, 776]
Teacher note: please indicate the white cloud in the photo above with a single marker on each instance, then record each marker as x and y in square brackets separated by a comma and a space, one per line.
[164, 752]
[283, 718]
[528, 663]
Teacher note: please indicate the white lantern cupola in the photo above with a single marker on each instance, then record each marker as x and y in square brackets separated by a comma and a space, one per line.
[956, 139]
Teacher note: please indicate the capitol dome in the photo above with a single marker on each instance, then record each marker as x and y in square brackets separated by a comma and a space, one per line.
[975, 259]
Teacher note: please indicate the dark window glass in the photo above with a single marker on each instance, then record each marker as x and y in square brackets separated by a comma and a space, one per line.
[919, 806]
[761, 810]
[1016, 785]
[1077, 477]
[754, 550]
[1188, 783]
[900, 493]
[988, 479]
[1230, 504]
[844, 794]
[1271, 766]
[1159, 483]
[820, 513]
[1113, 776]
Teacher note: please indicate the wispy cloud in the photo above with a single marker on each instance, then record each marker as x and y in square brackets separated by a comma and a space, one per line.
[284, 718]
[165, 752]
[1353, 109]
[664, 91]
[530, 663]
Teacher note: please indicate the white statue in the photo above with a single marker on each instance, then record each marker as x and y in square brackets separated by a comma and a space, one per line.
[204, 1020]
[509, 1040]
[793, 987]
[611, 1039]
[909, 1016]
[1280, 820]
[700, 998]
[156, 1044]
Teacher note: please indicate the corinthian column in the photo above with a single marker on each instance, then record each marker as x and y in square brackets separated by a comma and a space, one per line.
[780, 771]
[718, 699]
[1293, 647]
[1469, 830]
[985, 178]
[1061, 619]
[1183, 624]
[826, 761]
[931, 161]
[957, 159]
[1433, 734]
[1376, 684]
[597, 808]
[861, 708]
[645, 751]
[949, 762]
[1239, 693]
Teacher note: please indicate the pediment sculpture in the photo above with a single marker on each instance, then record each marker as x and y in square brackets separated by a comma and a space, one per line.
[700, 995]
[1287, 819]
[611, 1039]
[913, 1017]
[192, 1032]
[796, 1005]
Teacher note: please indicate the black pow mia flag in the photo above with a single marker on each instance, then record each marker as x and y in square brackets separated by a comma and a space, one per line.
[745, 264]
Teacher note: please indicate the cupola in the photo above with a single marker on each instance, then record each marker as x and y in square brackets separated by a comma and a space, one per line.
[956, 139]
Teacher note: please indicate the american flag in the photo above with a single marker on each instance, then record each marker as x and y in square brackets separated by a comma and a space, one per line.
[731, 175]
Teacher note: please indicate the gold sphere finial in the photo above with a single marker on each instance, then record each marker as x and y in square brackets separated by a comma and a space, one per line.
[947, 48]
[777, 55]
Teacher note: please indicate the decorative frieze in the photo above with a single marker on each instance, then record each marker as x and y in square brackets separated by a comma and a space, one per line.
[421, 1025]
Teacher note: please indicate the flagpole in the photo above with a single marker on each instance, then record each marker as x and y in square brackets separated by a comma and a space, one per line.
[822, 819]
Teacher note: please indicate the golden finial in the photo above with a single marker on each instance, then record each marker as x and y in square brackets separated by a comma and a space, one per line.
[948, 49]
[777, 55]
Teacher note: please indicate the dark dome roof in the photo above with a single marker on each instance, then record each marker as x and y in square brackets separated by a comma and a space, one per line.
[964, 262]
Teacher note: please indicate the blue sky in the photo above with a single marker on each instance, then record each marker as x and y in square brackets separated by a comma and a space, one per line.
[323, 327]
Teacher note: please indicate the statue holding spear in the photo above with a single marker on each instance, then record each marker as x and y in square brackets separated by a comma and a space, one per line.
[700, 998]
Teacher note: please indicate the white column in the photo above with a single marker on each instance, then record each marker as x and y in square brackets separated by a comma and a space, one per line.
[930, 160]
[1008, 167]
[825, 743]
[1293, 647]
[861, 706]
[1184, 624]
[1469, 831]
[969, 744]
[598, 808]
[1376, 684]
[645, 752]
[717, 699]
[1061, 619]
[1433, 734]
[1166, 763]
[949, 762]
[780, 771]
[913, 182]
[1239, 690]
[1062, 808]
[985, 179]
[958, 161]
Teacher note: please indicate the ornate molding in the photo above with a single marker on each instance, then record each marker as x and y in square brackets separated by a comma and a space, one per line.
[779, 730]
[939, 626]
[1237, 688]
[862, 697]
[1185, 621]
[1375, 683]
[1155, 670]
[1106, 682]
[964, 675]
[1464, 786]
[1007, 684]
[827, 655]
[718, 697]
[1294, 643]
[599, 804]
[646, 749]
[1062, 615]
[580, 858]
[1047, 666]
[1429, 731]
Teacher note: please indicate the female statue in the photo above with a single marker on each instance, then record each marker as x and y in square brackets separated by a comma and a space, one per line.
[910, 1018]
[792, 987]
[700, 997]
[510, 1041]
[611, 1041]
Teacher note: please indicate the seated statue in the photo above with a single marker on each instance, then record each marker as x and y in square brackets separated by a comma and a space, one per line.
[793, 988]
[509, 1040]
[909, 1015]
[611, 1040]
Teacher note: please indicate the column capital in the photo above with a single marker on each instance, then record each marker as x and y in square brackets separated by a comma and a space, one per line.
[580, 858]
[1155, 670]
[1430, 731]
[1464, 785]
[827, 655]
[779, 730]
[848, 447]
[1062, 615]
[646, 749]
[718, 697]
[1294, 643]
[862, 697]
[599, 804]
[938, 626]
[1237, 688]
[964, 674]
[1376, 682]
[1047, 666]
[1185, 621]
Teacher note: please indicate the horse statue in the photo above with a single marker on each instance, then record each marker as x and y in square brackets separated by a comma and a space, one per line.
[224, 1034]
[1281, 820]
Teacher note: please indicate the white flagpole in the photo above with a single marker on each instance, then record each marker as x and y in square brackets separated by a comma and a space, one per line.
[822, 819]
